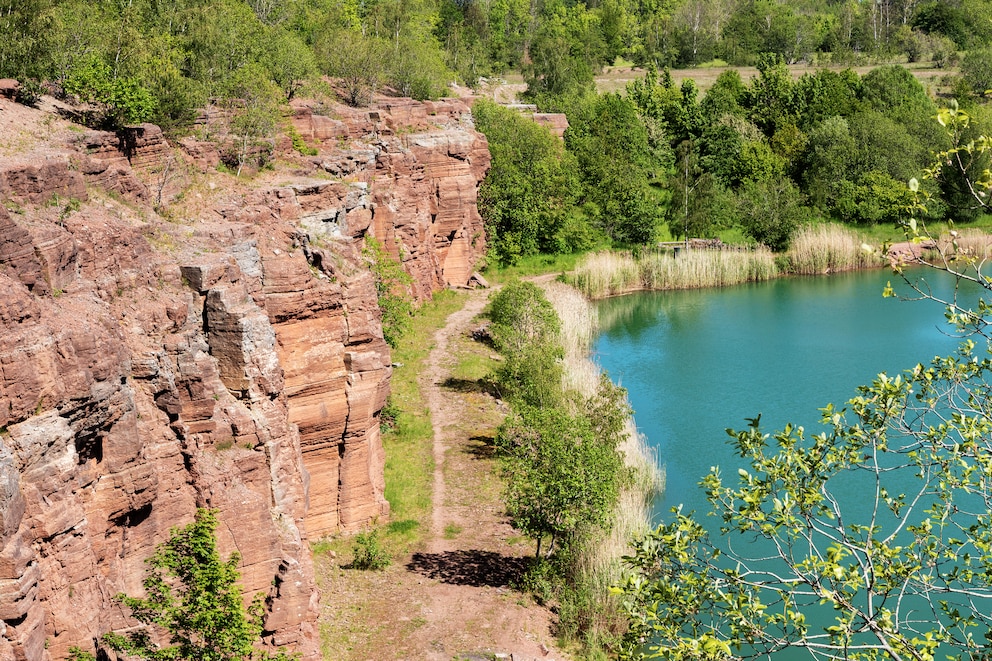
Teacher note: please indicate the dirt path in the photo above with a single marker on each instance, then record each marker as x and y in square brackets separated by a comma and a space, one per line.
[443, 417]
[471, 543]
[454, 599]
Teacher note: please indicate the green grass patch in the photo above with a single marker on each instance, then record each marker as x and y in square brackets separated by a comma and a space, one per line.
[734, 236]
[533, 265]
[452, 530]
[473, 366]
[879, 234]
[409, 469]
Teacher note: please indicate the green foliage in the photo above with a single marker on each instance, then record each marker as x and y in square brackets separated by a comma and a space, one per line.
[697, 202]
[124, 100]
[771, 210]
[254, 99]
[526, 331]
[369, 553]
[561, 477]
[565, 53]
[529, 192]
[417, 69]
[289, 61]
[618, 167]
[299, 144]
[392, 287]
[357, 60]
[194, 598]
[976, 69]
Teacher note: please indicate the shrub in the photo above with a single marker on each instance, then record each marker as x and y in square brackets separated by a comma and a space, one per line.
[193, 595]
[369, 553]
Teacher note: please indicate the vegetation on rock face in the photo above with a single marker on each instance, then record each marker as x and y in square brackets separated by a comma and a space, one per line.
[392, 288]
[194, 603]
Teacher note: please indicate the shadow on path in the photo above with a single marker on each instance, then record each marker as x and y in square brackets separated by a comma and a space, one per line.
[470, 567]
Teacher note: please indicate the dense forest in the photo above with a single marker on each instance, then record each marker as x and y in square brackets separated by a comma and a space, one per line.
[750, 159]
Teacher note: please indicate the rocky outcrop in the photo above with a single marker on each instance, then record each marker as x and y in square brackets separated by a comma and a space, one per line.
[123, 411]
[423, 164]
[234, 361]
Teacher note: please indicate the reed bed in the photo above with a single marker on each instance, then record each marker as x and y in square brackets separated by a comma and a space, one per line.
[969, 243]
[694, 269]
[829, 248]
[606, 274]
[579, 319]
[599, 566]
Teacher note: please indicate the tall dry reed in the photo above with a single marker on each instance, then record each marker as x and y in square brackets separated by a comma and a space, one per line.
[694, 269]
[605, 273]
[599, 566]
[829, 248]
[970, 243]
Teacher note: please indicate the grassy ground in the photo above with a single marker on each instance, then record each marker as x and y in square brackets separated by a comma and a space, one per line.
[409, 460]
[532, 265]
[408, 444]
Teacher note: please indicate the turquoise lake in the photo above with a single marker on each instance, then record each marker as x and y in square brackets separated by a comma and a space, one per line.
[697, 362]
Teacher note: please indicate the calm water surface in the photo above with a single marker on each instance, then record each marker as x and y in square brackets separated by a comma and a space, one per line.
[697, 362]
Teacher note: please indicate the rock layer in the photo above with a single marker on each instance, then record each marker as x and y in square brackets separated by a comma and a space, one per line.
[233, 360]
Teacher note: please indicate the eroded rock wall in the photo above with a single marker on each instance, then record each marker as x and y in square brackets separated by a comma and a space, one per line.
[231, 357]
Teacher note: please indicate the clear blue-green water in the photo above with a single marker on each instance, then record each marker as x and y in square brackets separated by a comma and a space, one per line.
[697, 362]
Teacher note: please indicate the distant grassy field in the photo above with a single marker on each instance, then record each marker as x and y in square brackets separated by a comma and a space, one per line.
[614, 79]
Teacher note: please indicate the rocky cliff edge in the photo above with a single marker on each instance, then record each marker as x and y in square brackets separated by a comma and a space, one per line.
[173, 337]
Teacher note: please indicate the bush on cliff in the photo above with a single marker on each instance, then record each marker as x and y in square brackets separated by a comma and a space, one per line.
[392, 285]
[193, 596]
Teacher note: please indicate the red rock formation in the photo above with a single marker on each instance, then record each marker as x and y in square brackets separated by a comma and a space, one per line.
[240, 365]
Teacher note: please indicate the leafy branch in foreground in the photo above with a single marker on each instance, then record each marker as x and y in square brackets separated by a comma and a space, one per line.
[870, 540]
[879, 526]
[193, 596]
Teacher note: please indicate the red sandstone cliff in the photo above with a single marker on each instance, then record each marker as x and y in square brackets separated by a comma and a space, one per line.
[229, 355]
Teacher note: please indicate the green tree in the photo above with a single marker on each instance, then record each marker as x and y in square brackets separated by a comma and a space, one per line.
[290, 63]
[976, 69]
[565, 53]
[526, 331]
[193, 597]
[918, 550]
[618, 167]
[417, 69]
[359, 61]
[528, 195]
[771, 210]
[254, 99]
[695, 196]
[122, 100]
[561, 476]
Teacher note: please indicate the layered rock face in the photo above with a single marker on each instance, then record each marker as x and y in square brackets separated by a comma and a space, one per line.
[232, 358]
